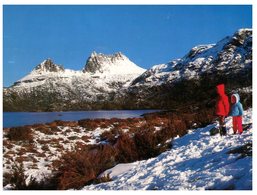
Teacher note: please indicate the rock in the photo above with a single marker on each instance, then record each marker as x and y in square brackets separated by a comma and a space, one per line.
[48, 66]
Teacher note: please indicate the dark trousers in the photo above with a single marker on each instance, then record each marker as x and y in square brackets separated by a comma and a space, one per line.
[222, 126]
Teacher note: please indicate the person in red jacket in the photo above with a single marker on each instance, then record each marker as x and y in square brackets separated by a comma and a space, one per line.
[222, 108]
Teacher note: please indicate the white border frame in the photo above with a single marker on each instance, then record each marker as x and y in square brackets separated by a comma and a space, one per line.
[132, 2]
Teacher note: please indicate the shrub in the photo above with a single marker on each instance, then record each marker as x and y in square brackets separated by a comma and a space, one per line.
[66, 123]
[52, 124]
[88, 124]
[114, 120]
[85, 138]
[105, 157]
[126, 149]
[55, 129]
[77, 130]
[7, 144]
[46, 130]
[104, 125]
[79, 145]
[146, 143]
[75, 171]
[108, 136]
[74, 137]
[20, 134]
[82, 167]
[17, 178]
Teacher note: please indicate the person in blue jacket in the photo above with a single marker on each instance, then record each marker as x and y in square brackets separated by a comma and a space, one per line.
[237, 113]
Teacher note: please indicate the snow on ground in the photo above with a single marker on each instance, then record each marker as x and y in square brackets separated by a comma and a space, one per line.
[47, 148]
[197, 161]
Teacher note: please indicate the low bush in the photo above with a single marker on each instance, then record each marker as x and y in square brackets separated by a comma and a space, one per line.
[20, 134]
[46, 130]
[88, 124]
[85, 138]
[66, 123]
[19, 181]
[147, 143]
[126, 149]
[109, 136]
[80, 168]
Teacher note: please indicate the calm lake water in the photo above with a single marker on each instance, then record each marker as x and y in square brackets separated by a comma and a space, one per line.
[14, 119]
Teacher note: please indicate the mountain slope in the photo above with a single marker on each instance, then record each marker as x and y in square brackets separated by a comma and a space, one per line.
[232, 54]
[114, 82]
[196, 161]
[108, 68]
[51, 87]
[189, 83]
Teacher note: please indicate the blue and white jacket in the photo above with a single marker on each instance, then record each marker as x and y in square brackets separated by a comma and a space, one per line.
[236, 108]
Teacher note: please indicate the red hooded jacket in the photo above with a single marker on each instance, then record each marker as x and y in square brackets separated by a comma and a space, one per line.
[222, 105]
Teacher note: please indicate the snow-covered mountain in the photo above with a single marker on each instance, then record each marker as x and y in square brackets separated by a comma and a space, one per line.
[117, 64]
[114, 82]
[102, 75]
[230, 55]
[189, 82]
[108, 68]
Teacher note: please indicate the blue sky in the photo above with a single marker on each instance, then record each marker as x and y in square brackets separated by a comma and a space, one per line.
[147, 35]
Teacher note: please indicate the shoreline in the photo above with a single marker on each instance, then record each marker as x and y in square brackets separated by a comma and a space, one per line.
[46, 117]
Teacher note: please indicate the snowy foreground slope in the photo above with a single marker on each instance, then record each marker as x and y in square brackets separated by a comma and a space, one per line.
[197, 161]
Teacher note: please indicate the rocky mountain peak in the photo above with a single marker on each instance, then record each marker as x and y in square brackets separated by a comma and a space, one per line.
[241, 36]
[231, 55]
[115, 82]
[48, 66]
[100, 63]
[197, 50]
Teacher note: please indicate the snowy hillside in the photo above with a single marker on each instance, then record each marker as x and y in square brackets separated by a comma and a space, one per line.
[196, 161]
[114, 82]
[102, 75]
[230, 55]
[100, 70]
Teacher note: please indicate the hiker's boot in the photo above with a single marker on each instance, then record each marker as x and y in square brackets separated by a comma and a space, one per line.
[224, 131]
[221, 133]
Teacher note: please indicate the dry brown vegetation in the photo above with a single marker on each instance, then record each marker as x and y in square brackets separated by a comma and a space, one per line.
[18, 179]
[76, 169]
[85, 138]
[144, 138]
[20, 134]
[126, 149]
[62, 123]
[88, 162]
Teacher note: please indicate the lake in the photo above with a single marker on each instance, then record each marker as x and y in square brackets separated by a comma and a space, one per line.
[14, 119]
